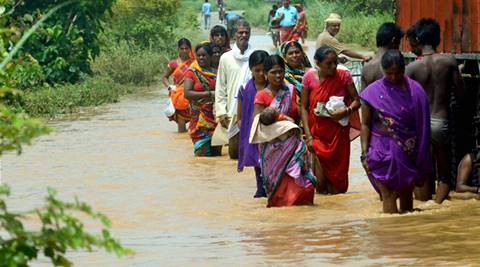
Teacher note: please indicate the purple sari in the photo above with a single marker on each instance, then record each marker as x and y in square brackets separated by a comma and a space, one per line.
[399, 149]
[248, 155]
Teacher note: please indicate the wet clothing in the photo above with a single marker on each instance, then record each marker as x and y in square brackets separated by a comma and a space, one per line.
[399, 149]
[247, 153]
[233, 71]
[177, 95]
[440, 131]
[331, 141]
[203, 123]
[287, 178]
[325, 38]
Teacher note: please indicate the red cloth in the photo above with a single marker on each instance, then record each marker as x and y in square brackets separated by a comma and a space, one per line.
[286, 34]
[264, 98]
[331, 141]
[197, 85]
[289, 193]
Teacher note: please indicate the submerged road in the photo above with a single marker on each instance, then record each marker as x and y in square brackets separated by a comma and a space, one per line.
[177, 210]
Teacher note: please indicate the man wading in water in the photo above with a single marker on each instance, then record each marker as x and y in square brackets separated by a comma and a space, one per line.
[233, 71]
[439, 75]
[389, 36]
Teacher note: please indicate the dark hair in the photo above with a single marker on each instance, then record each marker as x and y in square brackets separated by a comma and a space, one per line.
[391, 58]
[205, 46]
[268, 116]
[412, 32]
[217, 29]
[184, 41]
[323, 52]
[290, 44]
[257, 57]
[275, 7]
[272, 61]
[388, 33]
[214, 45]
[428, 32]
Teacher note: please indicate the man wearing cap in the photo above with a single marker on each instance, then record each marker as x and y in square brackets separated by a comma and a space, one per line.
[288, 16]
[327, 37]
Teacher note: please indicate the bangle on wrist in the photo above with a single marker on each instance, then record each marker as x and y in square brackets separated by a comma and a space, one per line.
[349, 110]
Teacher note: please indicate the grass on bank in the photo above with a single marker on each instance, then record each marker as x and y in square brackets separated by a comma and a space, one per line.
[121, 68]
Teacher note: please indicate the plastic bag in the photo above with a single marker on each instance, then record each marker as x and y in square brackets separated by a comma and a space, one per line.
[169, 109]
[334, 103]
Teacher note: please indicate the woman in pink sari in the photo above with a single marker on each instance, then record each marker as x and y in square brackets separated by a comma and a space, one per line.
[176, 69]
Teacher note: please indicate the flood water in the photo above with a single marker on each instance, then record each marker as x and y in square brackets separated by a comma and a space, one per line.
[176, 210]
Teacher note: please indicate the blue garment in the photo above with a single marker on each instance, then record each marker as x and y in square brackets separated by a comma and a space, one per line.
[206, 9]
[232, 15]
[290, 16]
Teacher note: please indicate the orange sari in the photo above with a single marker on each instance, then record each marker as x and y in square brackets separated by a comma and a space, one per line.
[177, 96]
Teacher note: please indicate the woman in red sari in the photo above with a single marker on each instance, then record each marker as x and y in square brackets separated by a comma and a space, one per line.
[325, 136]
[176, 69]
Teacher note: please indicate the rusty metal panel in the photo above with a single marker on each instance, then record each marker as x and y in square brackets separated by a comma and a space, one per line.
[459, 21]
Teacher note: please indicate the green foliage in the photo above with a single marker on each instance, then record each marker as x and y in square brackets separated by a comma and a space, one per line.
[368, 7]
[52, 101]
[128, 65]
[66, 42]
[60, 232]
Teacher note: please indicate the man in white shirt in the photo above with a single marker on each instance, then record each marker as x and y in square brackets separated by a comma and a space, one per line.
[206, 12]
[233, 71]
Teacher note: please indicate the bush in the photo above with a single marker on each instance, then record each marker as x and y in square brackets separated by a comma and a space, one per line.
[50, 101]
[127, 65]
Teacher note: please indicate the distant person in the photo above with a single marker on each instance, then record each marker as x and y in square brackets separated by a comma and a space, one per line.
[231, 18]
[288, 17]
[439, 75]
[389, 36]
[248, 154]
[233, 72]
[327, 37]
[326, 137]
[200, 91]
[395, 134]
[219, 35]
[301, 28]
[274, 26]
[176, 69]
[468, 176]
[206, 12]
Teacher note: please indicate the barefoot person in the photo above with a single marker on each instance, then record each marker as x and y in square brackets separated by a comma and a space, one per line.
[248, 155]
[439, 76]
[388, 37]
[176, 69]
[233, 71]
[200, 90]
[395, 134]
[326, 138]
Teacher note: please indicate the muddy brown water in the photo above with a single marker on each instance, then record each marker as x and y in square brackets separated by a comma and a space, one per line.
[176, 210]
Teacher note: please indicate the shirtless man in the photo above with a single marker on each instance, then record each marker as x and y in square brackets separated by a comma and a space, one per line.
[468, 176]
[389, 36]
[439, 75]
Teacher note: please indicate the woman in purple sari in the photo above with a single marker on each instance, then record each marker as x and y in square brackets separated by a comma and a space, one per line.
[395, 134]
[248, 153]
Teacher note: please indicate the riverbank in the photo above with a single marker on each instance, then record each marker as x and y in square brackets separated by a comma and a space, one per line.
[136, 44]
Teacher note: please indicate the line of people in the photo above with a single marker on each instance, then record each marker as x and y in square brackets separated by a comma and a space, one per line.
[293, 123]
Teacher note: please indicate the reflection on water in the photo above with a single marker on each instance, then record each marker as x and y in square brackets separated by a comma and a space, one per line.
[174, 209]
